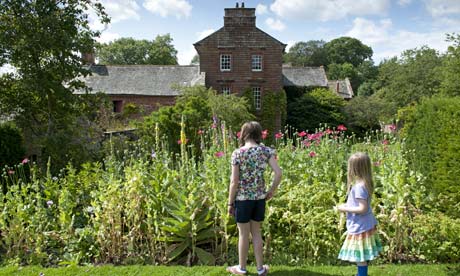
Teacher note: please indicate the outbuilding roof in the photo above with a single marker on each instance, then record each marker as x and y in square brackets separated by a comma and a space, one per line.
[148, 80]
[304, 76]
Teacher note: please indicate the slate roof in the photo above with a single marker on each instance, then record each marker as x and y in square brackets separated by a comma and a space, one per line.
[342, 88]
[304, 76]
[148, 80]
[253, 37]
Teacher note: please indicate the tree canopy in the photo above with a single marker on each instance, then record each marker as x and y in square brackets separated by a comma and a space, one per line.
[348, 50]
[310, 53]
[159, 51]
[43, 40]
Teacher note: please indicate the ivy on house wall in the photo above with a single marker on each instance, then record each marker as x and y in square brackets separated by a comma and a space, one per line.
[272, 115]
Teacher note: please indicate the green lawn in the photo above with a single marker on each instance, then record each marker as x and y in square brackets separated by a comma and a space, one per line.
[396, 270]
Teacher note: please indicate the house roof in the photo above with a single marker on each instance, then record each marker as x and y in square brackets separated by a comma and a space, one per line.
[304, 76]
[342, 88]
[252, 37]
[148, 80]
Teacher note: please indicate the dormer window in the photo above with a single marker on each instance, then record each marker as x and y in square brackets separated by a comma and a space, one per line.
[256, 63]
[225, 62]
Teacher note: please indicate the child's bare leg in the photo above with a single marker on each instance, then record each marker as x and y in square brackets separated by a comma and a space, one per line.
[257, 243]
[243, 243]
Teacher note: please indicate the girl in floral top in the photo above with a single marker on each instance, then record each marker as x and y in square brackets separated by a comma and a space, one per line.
[247, 193]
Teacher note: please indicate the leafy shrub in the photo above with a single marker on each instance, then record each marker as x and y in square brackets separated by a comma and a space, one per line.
[11, 144]
[433, 139]
[316, 107]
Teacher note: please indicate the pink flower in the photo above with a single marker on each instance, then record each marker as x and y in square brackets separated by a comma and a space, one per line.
[306, 143]
[25, 161]
[312, 154]
[264, 134]
[341, 128]
[329, 131]
[10, 172]
[238, 134]
[302, 134]
[219, 154]
[180, 142]
[377, 163]
[278, 135]
[385, 142]
[392, 127]
[213, 125]
[200, 132]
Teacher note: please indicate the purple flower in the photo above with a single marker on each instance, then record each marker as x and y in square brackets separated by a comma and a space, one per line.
[49, 203]
[153, 154]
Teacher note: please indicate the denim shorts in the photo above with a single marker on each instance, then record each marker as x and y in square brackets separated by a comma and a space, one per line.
[246, 210]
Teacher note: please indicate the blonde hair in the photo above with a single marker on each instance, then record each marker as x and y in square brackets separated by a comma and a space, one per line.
[250, 130]
[359, 168]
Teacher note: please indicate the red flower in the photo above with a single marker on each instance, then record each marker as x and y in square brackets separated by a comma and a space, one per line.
[306, 143]
[278, 135]
[329, 131]
[180, 142]
[302, 134]
[341, 128]
[219, 154]
[312, 154]
[238, 134]
[385, 142]
[392, 127]
[200, 132]
[264, 134]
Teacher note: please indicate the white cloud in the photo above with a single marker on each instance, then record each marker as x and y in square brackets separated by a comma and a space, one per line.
[107, 37]
[388, 42]
[120, 10]
[261, 9]
[328, 10]
[275, 24]
[179, 8]
[404, 2]
[442, 7]
[204, 33]
[290, 43]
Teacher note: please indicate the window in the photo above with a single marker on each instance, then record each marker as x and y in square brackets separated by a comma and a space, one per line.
[226, 90]
[256, 64]
[117, 105]
[256, 94]
[225, 62]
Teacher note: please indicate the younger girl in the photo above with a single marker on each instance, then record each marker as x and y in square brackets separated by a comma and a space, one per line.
[247, 193]
[362, 243]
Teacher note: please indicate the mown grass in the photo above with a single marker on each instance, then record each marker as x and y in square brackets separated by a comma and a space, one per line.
[387, 270]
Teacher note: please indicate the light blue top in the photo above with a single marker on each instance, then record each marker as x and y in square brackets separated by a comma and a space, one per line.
[359, 223]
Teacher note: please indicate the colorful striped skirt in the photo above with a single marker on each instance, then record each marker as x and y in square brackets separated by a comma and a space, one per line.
[361, 247]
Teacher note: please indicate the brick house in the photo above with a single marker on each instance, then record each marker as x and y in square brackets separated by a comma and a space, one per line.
[237, 57]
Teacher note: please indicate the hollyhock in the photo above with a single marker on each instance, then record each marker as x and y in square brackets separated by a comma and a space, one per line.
[278, 135]
[341, 128]
[302, 134]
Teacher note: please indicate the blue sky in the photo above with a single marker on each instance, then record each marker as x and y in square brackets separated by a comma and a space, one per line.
[388, 26]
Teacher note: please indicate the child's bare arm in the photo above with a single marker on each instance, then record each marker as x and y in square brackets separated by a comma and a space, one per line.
[360, 209]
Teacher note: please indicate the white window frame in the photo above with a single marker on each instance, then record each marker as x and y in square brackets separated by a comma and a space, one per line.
[225, 62]
[256, 93]
[226, 90]
[257, 63]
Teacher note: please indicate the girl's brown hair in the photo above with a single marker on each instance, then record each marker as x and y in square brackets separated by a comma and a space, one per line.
[359, 168]
[250, 130]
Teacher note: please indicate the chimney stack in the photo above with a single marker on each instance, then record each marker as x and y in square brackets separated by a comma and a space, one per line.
[242, 5]
[240, 17]
[237, 5]
[88, 58]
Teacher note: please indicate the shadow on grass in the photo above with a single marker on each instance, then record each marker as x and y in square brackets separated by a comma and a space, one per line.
[299, 272]
[453, 270]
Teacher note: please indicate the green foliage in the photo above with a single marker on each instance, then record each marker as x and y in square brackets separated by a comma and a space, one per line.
[43, 40]
[320, 106]
[363, 113]
[410, 78]
[310, 53]
[199, 106]
[347, 50]
[159, 51]
[450, 70]
[433, 124]
[11, 144]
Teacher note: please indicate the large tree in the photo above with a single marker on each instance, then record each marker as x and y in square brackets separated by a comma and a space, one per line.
[450, 72]
[159, 51]
[310, 53]
[43, 41]
[348, 50]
